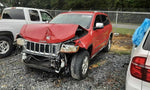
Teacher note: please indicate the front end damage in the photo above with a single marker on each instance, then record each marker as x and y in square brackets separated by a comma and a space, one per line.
[52, 57]
[50, 64]
[49, 57]
[43, 56]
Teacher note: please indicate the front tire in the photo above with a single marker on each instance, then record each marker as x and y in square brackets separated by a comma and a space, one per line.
[6, 46]
[80, 65]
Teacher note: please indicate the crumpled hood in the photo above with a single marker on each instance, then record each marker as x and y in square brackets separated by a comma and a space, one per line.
[49, 33]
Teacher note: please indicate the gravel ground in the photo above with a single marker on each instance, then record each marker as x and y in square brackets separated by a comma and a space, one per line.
[107, 72]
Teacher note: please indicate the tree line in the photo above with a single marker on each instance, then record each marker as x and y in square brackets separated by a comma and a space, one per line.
[124, 5]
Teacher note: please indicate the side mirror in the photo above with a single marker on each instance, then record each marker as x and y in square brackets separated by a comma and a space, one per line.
[99, 26]
[46, 21]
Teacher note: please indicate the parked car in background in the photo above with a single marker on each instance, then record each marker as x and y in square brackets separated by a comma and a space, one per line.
[1, 8]
[13, 18]
[138, 73]
[67, 43]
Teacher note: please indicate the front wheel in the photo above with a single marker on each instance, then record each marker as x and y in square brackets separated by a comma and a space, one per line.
[6, 46]
[80, 65]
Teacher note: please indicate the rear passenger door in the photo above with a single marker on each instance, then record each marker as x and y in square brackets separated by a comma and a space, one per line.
[107, 27]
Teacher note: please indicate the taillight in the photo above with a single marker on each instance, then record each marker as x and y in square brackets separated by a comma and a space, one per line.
[139, 69]
[147, 75]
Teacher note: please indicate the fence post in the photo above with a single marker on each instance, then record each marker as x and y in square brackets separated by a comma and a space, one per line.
[116, 17]
[115, 33]
[55, 12]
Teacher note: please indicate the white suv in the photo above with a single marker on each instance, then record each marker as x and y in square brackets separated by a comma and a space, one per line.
[138, 73]
[13, 18]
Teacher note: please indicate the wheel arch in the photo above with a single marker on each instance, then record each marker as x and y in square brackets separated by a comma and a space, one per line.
[111, 36]
[89, 49]
[8, 34]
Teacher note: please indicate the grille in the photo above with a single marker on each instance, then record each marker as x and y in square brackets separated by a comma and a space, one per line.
[41, 48]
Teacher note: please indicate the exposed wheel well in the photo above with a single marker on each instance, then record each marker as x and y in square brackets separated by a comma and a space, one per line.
[90, 49]
[111, 36]
[7, 34]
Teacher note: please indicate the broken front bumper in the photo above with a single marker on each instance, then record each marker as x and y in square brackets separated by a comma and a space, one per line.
[50, 64]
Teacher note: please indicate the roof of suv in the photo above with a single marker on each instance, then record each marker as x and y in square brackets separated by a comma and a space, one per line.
[21, 8]
[84, 12]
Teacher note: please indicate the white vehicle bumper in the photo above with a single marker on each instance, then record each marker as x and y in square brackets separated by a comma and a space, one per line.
[132, 83]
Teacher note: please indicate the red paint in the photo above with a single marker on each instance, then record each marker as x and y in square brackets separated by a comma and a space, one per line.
[57, 32]
[62, 32]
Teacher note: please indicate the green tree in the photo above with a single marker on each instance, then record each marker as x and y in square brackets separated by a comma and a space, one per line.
[81, 4]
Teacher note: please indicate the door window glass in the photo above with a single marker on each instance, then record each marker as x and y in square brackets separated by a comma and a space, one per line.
[45, 16]
[14, 14]
[34, 16]
[146, 45]
[97, 20]
[105, 20]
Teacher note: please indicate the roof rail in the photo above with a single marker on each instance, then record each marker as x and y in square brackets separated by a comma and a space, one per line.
[70, 10]
[95, 11]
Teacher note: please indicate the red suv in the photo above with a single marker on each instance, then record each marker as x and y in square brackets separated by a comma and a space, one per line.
[67, 43]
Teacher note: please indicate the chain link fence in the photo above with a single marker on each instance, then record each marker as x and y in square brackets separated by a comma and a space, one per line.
[127, 17]
[121, 19]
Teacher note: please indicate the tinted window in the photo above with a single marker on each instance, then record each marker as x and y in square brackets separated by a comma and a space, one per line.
[105, 20]
[45, 16]
[81, 19]
[97, 20]
[34, 16]
[146, 45]
[13, 14]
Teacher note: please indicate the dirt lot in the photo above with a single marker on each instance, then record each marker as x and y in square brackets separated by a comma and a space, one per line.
[122, 44]
[107, 72]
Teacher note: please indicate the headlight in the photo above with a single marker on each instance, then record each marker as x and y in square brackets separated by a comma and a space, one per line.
[20, 41]
[69, 48]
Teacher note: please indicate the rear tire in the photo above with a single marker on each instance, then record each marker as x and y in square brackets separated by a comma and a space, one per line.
[6, 46]
[107, 48]
[79, 65]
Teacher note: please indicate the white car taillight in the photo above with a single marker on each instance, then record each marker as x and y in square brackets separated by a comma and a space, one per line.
[139, 70]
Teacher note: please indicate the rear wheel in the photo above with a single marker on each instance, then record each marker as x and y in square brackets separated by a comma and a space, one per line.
[6, 46]
[107, 48]
[80, 65]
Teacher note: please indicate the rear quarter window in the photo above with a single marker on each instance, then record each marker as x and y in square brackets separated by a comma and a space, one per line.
[13, 14]
[146, 45]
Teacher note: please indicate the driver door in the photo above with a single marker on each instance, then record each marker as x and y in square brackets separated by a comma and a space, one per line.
[98, 36]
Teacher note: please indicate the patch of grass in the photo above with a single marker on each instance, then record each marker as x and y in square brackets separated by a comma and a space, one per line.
[121, 52]
[121, 44]
[127, 23]
[119, 49]
[124, 31]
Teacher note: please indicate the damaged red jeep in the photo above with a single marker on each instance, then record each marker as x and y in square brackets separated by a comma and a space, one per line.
[67, 43]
